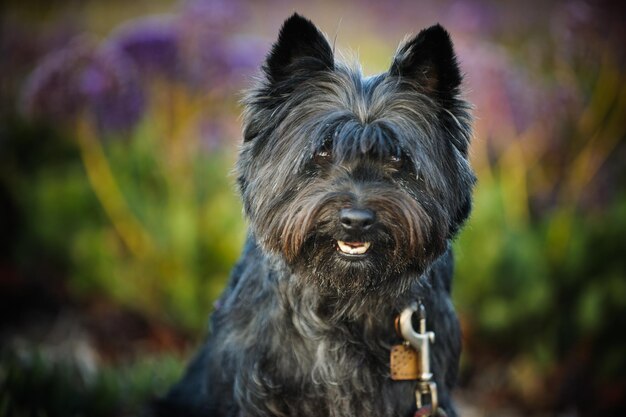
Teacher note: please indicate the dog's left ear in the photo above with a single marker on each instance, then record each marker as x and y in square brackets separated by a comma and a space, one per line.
[300, 47]
[429, 60]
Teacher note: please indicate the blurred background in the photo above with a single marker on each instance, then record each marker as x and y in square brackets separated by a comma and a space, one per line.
[119, 220]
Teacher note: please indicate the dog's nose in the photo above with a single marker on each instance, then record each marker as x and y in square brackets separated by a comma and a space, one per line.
[356, 219]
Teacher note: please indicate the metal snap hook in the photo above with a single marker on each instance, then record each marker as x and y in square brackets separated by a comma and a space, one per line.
[420, 340]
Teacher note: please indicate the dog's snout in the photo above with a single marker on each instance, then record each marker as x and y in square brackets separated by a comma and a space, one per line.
[356, 219]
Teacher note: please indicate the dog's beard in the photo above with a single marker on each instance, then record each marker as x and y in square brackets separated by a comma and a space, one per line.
[381, 269]
[381, 260]
[408, 231]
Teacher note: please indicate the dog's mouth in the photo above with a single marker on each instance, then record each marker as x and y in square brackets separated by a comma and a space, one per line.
[353, 248]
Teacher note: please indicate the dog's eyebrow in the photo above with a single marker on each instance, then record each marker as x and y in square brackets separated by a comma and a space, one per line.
[353, 139]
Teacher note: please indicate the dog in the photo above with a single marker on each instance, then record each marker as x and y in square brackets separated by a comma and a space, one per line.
[354, 188]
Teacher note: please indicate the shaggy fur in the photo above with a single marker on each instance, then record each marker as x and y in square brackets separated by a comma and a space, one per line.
[304, 329]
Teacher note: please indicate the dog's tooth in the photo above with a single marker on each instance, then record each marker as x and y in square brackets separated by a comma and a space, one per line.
[353, 250]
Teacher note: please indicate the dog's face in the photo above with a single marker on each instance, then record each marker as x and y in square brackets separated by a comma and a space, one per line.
[356, 182]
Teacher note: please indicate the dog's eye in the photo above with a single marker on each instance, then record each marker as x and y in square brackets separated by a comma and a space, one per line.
[322, 157]
[396, 161]
[324, 153]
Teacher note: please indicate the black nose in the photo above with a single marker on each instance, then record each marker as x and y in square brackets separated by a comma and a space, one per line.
[356, 219]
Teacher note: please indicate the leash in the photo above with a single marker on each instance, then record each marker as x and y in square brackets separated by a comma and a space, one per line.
[411, 360]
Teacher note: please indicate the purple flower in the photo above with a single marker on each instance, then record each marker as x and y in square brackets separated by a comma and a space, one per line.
[204, 58]
[212, 60]
[505, 95]
[218, 15]
[112, 87]
[50, 91]
[152, 44]
[245, 54]
[475, 17]
[208, 54]
[79, 79]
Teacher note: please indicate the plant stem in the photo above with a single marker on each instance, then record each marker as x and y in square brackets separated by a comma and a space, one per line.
[103, 183]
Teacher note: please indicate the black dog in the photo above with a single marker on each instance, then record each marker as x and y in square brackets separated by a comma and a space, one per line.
[354, 188]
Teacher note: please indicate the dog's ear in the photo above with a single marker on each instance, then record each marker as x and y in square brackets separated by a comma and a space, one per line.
[300, 47]
[429, 60]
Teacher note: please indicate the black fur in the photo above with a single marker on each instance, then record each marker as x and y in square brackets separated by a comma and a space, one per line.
[304, 329]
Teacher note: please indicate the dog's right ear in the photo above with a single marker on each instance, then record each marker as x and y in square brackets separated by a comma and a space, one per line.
[300, 47]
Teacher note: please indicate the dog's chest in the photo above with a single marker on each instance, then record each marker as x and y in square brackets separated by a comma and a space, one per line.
[334, 374]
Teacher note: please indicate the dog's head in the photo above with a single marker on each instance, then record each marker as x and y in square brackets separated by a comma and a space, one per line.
[356, 182]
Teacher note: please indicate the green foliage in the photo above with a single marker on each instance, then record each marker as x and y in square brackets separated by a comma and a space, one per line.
[520, 284]
[547, 282]
[186, 210]
[34, 385]
[190, 215]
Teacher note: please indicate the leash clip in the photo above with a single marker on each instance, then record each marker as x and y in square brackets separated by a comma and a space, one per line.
[421, 340]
